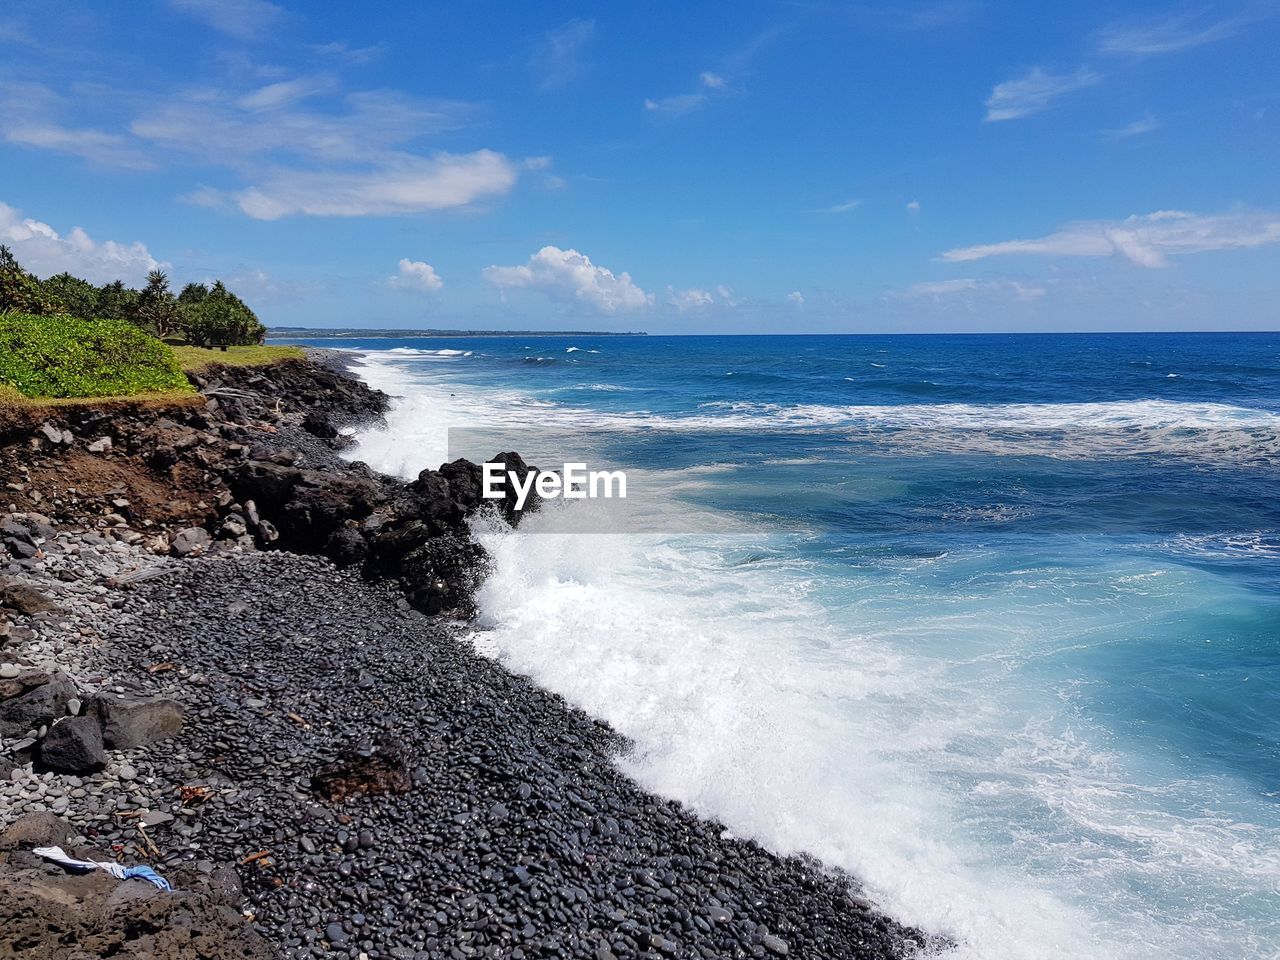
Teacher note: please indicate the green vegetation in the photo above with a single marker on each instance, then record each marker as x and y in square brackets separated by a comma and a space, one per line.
[66, 356]
[195, 359]
[201, 315]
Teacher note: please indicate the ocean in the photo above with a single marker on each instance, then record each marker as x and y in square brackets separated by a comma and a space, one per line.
[991, 622]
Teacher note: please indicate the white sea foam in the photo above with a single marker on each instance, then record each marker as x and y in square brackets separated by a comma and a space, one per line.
[902, 719]
[420, 353]
[1202, 432]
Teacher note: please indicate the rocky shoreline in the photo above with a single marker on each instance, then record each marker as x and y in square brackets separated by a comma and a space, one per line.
[229, 654]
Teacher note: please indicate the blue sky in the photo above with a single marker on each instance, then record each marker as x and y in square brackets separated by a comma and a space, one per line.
[733, 167]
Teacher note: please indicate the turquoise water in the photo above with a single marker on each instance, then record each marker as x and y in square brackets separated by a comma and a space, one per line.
[991, 621]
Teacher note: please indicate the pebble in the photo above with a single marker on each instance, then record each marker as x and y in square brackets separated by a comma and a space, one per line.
[775, 944]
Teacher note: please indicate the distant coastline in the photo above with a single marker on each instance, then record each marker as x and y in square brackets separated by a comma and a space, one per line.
[312, 333]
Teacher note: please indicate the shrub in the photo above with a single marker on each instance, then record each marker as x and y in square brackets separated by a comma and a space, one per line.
[64, 356]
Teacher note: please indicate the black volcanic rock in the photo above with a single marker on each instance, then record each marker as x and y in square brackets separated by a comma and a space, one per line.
[74, 745]
[32, 699]
[129, 722]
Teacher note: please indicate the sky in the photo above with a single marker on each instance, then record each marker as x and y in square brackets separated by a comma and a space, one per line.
[745, 167]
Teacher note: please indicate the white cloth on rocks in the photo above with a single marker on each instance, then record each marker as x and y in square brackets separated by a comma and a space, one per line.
[58, 855]
[117, 870]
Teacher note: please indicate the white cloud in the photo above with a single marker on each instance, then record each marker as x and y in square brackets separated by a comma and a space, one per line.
[1035, 92]
[27, 118]
[558, 58]
[726, 296]
[691, 299]
[1146, 124]
[416, 275]
[257, 286]
[695, 298]
[1146, 240]
[297, 161]
[357, 56]
[243, 19]
[847, 206]
[96, 146]
[44, 252]
[409, 185]
[796, 297]
[687, 102]
[570, 275]
[276, 95]
[213, 128]
[940, 289]
[1171, 34]
[913, 206]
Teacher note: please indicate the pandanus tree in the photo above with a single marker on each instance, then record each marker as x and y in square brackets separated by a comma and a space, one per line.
[157, 309]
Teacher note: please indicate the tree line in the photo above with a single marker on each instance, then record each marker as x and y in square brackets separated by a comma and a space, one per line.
[201, 314]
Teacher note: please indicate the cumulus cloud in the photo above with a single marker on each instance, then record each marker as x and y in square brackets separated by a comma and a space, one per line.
[940, 289]
[1170, 34]
[687, 102]
[242, 19]
[570, 275]
[796, 297]
[913, 206]
[1035, 92]
[44, 251]
[690, 299]
[695, 298]
[1146, 240]
[416, 275]
[557, 61]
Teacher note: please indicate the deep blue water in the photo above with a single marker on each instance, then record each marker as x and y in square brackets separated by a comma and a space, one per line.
[992, 621]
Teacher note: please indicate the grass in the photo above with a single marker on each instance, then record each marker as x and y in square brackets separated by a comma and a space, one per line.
[10, 397]
[66, 358]
[195, 359]
[53, 362]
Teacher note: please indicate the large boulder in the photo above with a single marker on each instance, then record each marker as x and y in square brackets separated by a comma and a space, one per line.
[308, 506]
[191, 542]
[74, 745]
[36, 830]
[32, 699]
[441, 575]
[129, 722]
[23, 597]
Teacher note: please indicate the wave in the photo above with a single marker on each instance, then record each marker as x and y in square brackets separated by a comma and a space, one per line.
[910, 727]
[599, 388]
[580, 350]
[1200, 431]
